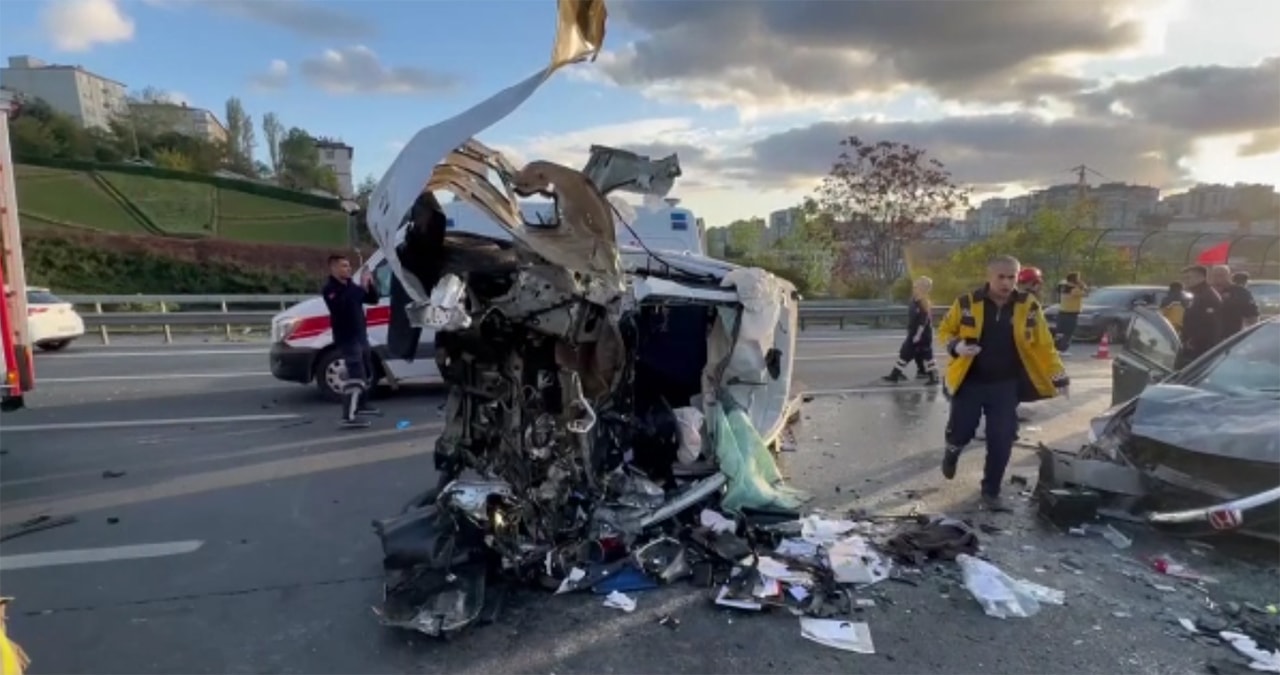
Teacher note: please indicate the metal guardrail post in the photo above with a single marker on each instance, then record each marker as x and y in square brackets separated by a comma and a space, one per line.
[102, 330]
[168, 335]
[224, 311]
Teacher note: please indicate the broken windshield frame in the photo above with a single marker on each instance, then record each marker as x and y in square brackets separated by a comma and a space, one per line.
[1249, 367]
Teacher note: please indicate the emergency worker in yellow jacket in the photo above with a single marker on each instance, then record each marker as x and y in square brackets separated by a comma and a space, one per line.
[1002, 353]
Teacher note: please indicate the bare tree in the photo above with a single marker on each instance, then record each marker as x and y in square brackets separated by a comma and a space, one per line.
[883, 196]
[237, 157]
[273, 132]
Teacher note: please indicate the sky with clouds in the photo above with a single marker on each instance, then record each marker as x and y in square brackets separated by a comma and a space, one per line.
[754, 95]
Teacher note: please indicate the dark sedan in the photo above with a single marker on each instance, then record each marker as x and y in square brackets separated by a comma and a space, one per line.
[1108, 310]
[1204, 440]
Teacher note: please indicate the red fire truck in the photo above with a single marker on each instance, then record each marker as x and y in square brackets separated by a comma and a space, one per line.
[15, 345]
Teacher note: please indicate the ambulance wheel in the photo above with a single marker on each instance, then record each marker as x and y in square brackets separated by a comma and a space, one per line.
[330, 373]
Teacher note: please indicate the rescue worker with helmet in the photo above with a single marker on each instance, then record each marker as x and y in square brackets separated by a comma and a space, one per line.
[1002, 353]
[1031, 280]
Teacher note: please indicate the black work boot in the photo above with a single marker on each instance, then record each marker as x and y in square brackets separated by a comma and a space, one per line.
[994, 503]
[950, 458]
[922, 374]
[366, 410]
[932, 380]
[895, 377]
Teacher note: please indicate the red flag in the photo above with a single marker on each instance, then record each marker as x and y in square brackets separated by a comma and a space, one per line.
[1215, 255]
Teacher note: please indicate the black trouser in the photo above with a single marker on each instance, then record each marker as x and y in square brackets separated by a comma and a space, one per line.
[998, 402]
[358, 361]
[1066, 328]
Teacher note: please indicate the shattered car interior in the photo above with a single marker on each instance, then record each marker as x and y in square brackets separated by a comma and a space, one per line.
[579, 382]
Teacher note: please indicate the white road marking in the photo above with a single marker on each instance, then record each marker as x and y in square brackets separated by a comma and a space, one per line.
[157, 376]
[166, 352]
[92, 555]
[160, 422]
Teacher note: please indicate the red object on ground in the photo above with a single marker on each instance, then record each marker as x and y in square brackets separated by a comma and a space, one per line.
[1215, 255]
[1104, 348]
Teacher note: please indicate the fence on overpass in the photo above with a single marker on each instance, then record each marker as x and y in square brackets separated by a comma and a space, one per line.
[1158, 256]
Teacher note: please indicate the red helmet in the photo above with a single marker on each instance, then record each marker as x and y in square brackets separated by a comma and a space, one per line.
[1030, 276]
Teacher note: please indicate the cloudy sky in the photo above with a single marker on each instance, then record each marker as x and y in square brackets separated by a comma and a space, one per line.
[754, 95]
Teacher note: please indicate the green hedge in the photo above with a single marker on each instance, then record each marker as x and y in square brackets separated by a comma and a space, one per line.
[270, 191]
[70, 265]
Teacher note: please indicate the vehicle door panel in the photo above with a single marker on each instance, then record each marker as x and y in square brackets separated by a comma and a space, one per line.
[1146, 354]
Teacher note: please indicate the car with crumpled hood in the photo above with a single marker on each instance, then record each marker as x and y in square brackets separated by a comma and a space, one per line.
[1195, 450]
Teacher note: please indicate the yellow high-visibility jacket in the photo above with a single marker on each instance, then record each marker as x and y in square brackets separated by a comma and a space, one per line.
[13, 661]
[1036, 349]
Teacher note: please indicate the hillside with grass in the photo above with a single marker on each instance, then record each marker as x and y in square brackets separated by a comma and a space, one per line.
[129, 202]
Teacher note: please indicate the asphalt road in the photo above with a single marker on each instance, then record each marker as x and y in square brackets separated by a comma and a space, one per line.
[224, 526]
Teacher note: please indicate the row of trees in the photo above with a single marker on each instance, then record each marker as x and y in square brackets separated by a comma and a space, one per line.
[151, 130]
[861, 232]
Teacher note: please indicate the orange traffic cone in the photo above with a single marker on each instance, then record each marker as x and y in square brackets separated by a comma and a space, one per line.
[1104, 348]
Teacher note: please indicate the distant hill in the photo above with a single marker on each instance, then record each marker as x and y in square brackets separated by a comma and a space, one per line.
[127, 200]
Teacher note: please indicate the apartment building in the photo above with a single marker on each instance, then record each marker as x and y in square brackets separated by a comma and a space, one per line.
[337, 157]
[92, 100]
[180, 118]
[1242, 200]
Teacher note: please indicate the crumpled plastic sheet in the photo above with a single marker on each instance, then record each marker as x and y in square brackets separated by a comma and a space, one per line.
[1259, 660]
[1001, 595]
[754, 480]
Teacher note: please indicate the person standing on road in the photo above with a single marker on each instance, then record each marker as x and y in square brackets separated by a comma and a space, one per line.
[1202, 321]
[346, 301]
[1174, 305]
[918, 345]
[1073, 291]
[1239, 309]
[1001, 353]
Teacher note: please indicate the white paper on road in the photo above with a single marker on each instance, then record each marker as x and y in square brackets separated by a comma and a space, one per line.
[854, 562]
[92, 555]
[845, 635]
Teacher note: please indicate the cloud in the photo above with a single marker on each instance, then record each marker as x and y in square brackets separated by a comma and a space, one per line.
[810, 52]
[1262, 143]
[302, 17]
[1203, 100]
[80, 25]
[275, 77]
[357, 70]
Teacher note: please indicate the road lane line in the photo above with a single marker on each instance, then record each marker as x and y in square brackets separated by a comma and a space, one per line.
[159, 422]
[167, 352]
[157, 376]
[92, 555]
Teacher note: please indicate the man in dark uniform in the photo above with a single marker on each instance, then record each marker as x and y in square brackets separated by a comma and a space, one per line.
[1202, 320]
[1239, 309]
[346, 302]
[1002, 353]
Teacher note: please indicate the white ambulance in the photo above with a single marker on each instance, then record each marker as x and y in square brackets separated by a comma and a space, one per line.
[302, 348]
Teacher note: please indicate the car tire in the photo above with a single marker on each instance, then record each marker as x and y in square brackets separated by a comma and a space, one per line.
[53, 345]
[328, 375]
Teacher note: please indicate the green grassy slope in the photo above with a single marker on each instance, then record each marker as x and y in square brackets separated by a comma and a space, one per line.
[71, 198]
[176, 207]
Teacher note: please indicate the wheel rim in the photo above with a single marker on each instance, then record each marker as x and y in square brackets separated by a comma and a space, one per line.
[335, 375]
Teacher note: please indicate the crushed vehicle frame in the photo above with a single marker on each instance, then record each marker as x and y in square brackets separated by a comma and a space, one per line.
[596, 392]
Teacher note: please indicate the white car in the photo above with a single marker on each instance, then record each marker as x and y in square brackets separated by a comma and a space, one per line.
[52, 322]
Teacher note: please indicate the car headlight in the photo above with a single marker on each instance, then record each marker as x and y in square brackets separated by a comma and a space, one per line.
[282, 328]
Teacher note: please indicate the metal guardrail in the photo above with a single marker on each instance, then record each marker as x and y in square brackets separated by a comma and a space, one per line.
[103, 312]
